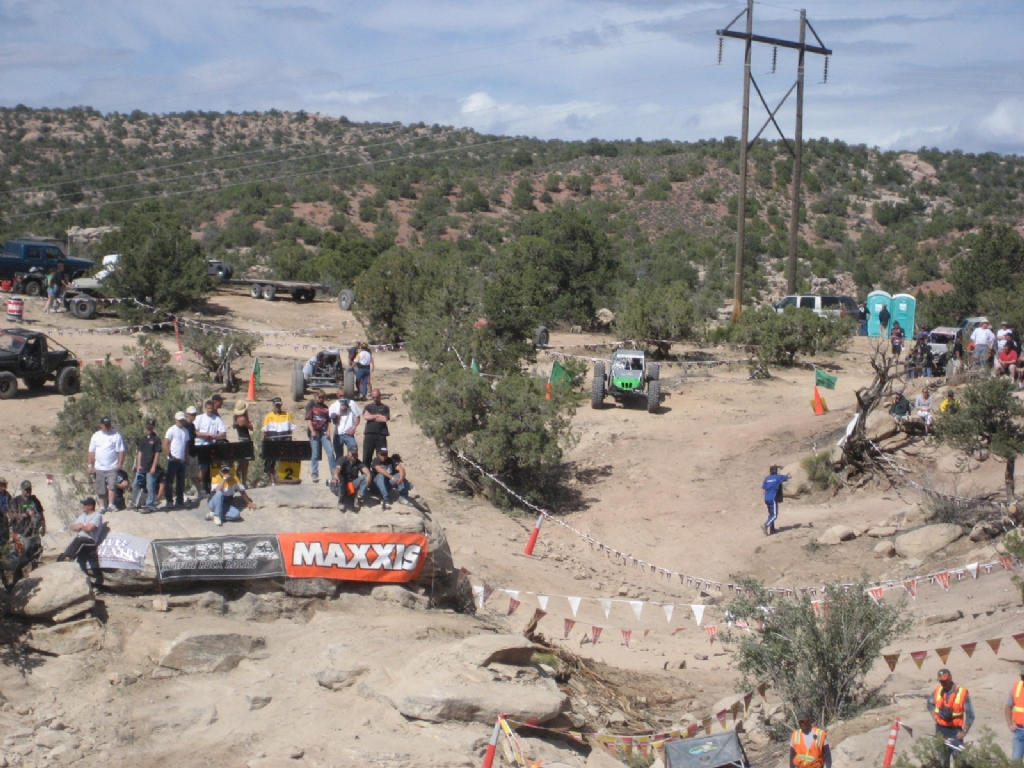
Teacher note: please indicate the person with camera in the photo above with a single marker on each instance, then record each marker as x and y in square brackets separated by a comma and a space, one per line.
[952, 711]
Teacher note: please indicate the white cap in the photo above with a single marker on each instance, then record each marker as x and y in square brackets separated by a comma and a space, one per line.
[190, 409]
[179, 416]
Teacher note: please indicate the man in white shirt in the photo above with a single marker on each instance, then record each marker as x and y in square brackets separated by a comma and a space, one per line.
[1002, 336]
[209, 428]
[345, 415]
[221, 503]
[983, 339]
[106, 457]
[176, 441]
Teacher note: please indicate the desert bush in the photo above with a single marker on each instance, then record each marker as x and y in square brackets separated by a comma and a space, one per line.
[930, 752]
[815, 663]
[656, 312]
[821, 471]
[796, 331]
[213, 349]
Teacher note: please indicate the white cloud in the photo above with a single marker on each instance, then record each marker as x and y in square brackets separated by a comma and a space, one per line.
[1006, 122]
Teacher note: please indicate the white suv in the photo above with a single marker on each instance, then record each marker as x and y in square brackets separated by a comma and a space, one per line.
[823, 306]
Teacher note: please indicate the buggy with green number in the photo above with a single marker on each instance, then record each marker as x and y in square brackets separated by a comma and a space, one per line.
[628, 375]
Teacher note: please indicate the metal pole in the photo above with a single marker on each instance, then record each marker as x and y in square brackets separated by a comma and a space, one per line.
[741, 212]
[798, 141]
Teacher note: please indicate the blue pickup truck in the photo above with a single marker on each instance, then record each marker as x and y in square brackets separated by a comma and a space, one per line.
[40, 258]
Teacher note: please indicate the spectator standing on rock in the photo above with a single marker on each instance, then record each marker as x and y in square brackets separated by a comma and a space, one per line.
[147, 461]
[883, 322]
[1002, 335]
[209, 429]
[952, 711]
[982, 338]
[351, 479]
[243, 431]
[808, 745]
[863, 315]
[27, 527]
[923, 406]
[277, 426]
[1015, 716]
[345, 414]
[176, 441]
[318, 422]
[772, 487]
[364, 366]
[106, 457]
[375, 434]
[87, 529]
[221, 501]
[896, 337]
[192, 463]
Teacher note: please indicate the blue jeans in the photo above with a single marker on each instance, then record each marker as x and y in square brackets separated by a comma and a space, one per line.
[1018, 743]
[360, 484]
[315, 443]
[175, 488]
[341, 442]
[385, 486]
[362, 380]
[151, 488]
[220, 504]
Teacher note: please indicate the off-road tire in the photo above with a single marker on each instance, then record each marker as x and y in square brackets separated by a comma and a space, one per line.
[256, 291]
[653, 396]
[298, 383]
[653, 372]
[541, 337]
[346, 299]
[348, 379]
[597, 387]
[269, 292]
[34, 383]
[83, 308]
[33, 288]
[8, 385]
[69, 381]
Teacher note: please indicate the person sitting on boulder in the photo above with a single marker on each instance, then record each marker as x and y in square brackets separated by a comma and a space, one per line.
[27, 526]
[389, 473]
[87, 529]
[950, 404]
[221, 501]
[900, 408]
[351, 479]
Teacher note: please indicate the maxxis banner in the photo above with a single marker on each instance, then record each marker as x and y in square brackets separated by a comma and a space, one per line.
[379, 557]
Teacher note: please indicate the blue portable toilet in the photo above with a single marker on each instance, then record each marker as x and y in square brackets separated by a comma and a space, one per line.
[902, 308]
[875, 301]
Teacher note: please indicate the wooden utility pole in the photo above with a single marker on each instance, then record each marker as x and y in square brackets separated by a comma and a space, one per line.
[794, 225]
[798, 146]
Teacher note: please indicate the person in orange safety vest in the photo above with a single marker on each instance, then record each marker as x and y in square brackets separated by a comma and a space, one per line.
[952, 711]
[1015, 715]
[808, 746]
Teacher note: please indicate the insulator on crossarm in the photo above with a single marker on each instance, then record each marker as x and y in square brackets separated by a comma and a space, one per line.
[775, 57]
[825, 80]
[720, 41]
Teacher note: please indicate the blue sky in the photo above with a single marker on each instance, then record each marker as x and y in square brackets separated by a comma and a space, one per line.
[905, 73]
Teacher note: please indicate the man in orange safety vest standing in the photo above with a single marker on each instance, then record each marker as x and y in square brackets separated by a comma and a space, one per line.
[953, 712]
[1015, 715]
[808, 746]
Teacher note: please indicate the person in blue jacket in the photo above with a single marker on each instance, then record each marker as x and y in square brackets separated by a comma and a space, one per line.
[772, 487]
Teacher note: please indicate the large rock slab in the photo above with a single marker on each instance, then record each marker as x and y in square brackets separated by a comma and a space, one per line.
[930, 538]
[439, 696]
[336, 679]
[65, 639]
[837, 534]
[195, 651]
[799, 484]
[482, 650]
[57, 592]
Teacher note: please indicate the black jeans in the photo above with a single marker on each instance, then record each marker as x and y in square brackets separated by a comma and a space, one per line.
[175, 488]
[371, 442]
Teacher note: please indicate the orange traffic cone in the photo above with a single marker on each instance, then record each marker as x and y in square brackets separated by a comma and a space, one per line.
[547, 393]
[251, 396]
[820, 408]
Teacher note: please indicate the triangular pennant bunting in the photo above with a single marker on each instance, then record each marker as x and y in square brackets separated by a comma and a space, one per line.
[994, 644]
[638, 608]
[972, 569]
[569, 624]
[712, 631]
[907, 728]
[891, 659]
[968, 648]
[876, 593]
[1019, 637]
[943, 579]
[911, 586]
[538, 614]
[597, 633]
[478, 595]
[668, 608]
[698, 613]
[607, 606]
[722, 717]
[542, 601]
[626, 635]
[513, 606]
[1007, 562]
[574, 604]
[746, 700]
[919, 657]
[943, 653]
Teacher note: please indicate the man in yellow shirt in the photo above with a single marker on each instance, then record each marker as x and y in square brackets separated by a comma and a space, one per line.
[277, 425]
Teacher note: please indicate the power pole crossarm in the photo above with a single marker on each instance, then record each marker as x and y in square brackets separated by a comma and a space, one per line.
[776, 41]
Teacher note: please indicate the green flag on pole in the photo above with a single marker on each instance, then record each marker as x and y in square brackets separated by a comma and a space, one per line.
[822, 379]
[474, 367]
[558, 374]
[256, 371]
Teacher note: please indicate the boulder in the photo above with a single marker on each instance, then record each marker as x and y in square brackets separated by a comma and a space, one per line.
[57, 592]
[942, 618]
[400, 595]
[882, 531]
[64, 639]
[336, 679]
[837, 534]
[311, 587]
[799, 484]
[481, 650]
[884, 549]
[439, 695]
[984, 532]
[880, 424]
[928, 539]
[196, 651]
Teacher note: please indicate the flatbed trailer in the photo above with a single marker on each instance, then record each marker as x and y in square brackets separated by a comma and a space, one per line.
[269, 289]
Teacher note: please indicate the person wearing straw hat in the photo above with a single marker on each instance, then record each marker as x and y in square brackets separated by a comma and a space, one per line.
[808, 745]
[953, 712]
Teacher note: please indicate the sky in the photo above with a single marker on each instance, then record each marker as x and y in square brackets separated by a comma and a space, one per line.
[903, 74]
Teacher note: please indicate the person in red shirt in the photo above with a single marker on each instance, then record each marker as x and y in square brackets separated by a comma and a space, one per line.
[1006, 362]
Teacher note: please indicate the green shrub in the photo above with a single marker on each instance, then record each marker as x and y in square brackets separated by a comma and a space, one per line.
[821, 471]
[796, 331]
[656, 312]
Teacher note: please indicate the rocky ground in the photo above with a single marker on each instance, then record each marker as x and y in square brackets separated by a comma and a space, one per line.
[255, 675]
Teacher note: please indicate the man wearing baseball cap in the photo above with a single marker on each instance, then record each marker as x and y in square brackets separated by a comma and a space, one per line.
[176, 441]
[221, 502]
[277, 426]
[106, 459]
[27, 528]
[147, 461]
[952, 711]
[87, 529]
[1015, 715]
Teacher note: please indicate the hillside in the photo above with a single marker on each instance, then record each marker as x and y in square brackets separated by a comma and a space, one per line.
[312, 197]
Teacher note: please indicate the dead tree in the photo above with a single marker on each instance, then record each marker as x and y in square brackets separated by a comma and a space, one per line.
[858, 451]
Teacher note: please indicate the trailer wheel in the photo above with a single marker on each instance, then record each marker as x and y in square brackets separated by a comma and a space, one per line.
[597, 387]
[298, 383]
[83, 308]
[345, 299]
[256, 291]
[33, 288]
[541, 337]
[269, 292]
